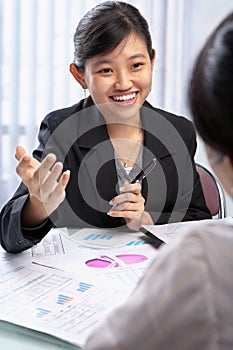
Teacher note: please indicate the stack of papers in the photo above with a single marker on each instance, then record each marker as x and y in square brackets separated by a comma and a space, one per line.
[72, 279]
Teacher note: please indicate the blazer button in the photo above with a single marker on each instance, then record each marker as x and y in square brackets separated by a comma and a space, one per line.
[19, 241]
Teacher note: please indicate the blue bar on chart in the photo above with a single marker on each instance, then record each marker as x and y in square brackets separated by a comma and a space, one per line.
[41, 312]
[136, 243]
[63, 299]
[83, 287]
[94, 237]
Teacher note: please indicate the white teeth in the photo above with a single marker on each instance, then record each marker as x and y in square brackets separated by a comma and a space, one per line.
[124, 98]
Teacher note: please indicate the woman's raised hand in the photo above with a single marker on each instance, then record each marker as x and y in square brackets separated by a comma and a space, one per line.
[45, 182]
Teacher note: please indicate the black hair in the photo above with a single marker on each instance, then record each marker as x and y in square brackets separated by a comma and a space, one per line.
[211, 89]
[104, 27]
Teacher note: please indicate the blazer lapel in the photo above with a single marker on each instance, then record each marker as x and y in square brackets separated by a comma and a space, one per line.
[98, 163]
[158, 143]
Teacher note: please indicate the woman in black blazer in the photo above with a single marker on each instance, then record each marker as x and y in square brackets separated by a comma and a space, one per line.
[80, 175]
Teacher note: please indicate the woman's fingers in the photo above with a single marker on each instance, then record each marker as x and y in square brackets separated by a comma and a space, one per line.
[129, 204]
[59, 190]
[19, 152]
[132, 196]
[23, 167]
[128, 212]
[121, 208]
[44, 180]
[26, 163]
[45, 169]
[65, 179]
[127, 187]
[53, 198]
[47, 183]
[50, 182]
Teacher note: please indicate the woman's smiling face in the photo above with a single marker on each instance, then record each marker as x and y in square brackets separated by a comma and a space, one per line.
[120, 81]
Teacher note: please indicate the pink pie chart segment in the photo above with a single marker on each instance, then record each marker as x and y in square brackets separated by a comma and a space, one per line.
[120, 260]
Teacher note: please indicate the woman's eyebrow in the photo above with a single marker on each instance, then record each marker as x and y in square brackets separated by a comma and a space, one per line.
[137, 55]
[102, 61]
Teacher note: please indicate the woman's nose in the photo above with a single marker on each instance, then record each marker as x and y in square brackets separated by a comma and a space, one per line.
[123, 81]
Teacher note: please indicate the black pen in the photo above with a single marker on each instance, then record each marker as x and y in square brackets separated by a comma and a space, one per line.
[144, 172]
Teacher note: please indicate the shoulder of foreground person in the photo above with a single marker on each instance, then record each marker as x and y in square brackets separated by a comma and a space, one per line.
[183, 302]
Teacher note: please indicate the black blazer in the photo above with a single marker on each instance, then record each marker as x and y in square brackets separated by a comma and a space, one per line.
[79, 138]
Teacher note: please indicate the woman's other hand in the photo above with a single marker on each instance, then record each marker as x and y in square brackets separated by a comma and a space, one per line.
[130, 206]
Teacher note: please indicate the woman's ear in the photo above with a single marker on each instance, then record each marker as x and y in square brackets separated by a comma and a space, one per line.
[78, 76]
[222, 166]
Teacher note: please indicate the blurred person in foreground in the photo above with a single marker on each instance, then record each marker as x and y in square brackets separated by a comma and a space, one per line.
[185, 299]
